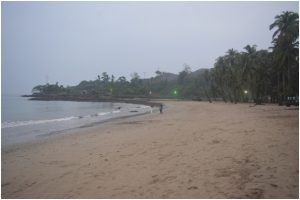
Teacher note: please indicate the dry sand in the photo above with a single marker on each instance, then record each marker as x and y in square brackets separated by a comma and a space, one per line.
[193, 150]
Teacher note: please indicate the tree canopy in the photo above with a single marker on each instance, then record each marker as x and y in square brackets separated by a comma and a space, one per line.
[237, 76]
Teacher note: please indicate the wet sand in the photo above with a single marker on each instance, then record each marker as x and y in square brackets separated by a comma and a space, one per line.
[192, 150]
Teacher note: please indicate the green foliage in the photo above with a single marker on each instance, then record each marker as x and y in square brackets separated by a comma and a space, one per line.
[264, 75]
[286, 53]
[50, 89]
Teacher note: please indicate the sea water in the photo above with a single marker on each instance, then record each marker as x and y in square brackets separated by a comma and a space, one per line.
[23, 120]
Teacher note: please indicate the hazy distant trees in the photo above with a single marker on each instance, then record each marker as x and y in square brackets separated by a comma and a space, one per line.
[237, 76]
[49, 89]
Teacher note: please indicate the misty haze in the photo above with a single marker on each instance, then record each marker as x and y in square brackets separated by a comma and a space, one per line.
[150, 100]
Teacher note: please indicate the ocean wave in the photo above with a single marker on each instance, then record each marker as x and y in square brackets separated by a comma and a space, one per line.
[35, 122]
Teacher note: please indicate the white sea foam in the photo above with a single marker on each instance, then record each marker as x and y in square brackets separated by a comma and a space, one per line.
[32, 122]
[103, 113]
[116, 111]
[24, 120]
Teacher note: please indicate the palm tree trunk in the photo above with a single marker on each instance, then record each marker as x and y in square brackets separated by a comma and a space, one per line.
[206, 94]
[278, 89]
[288, 78]
[283, 88]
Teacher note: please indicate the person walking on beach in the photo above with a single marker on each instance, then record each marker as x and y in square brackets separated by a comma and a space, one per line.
[161, 108]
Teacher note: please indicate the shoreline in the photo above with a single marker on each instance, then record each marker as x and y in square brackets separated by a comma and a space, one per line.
[193, 150]
[89, 121]
[56, 135]
[142, 101]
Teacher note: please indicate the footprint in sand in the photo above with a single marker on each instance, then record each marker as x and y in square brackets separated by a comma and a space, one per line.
[192, 188]
[65, 174]
[274, 185]
[162, 179]
[215, 142]
[255, 193]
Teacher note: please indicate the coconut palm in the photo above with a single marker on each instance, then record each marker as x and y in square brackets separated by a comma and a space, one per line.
[287, 26]
[285, 40]
[248, 62]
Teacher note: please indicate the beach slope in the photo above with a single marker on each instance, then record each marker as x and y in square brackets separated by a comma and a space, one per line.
[192, 150]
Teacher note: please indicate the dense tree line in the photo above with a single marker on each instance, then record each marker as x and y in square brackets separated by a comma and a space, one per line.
[261, 75]
[238, 76]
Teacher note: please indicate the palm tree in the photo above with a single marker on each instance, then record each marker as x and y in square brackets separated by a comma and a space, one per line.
[233, 73]
[287, 26]
[262, 75]
[248, 63]
[285, 40]
[220, 77]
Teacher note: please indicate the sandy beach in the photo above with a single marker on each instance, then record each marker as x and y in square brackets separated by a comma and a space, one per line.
[192, 150]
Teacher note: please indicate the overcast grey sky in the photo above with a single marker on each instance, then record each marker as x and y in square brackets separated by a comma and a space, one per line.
[74, 41]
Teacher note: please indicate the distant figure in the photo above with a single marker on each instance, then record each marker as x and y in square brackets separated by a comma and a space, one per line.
[161, 108]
